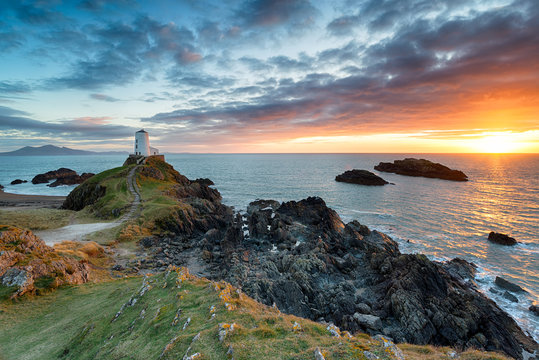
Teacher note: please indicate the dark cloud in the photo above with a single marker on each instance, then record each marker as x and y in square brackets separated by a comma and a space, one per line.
[125, 52]
[98, 5]
[269, 13]
[103, 97]
[82, 128]
[343, 25]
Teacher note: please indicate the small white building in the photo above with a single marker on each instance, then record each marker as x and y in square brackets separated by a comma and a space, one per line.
[154, 151]
[142, 143]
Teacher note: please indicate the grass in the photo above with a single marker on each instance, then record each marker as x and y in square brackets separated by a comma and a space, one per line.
[36, 219]
[76, 323]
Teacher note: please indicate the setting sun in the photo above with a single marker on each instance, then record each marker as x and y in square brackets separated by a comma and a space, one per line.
[502, 143]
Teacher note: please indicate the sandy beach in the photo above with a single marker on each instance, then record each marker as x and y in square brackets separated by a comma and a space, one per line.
[16, 201]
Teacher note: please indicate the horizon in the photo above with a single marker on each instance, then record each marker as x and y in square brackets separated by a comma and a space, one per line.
[280, 77]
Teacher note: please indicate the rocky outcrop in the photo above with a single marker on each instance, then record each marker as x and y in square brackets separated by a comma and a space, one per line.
[501, 239]
[18, 181]
[51, 175]
[29, 265]
[423, 168]
[301, 257]
[71, 179]
[507, 285]
[1, 187]
[534, 309]
[361, 177]
[203, 181]
[83, 195]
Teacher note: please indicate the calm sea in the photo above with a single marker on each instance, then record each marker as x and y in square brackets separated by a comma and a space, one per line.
[442, 219]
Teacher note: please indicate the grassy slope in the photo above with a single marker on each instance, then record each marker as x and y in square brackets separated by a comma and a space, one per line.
[75, 323]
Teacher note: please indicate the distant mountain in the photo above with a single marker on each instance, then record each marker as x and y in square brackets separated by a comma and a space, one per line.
[48, 150]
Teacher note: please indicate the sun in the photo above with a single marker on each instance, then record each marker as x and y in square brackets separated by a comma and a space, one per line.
[497, 143]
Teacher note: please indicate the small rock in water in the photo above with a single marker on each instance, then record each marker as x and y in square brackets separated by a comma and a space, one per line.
[534, 309]
[361, 177]
[501, 239]
[507, 285]
[18, 181]
[510, 296]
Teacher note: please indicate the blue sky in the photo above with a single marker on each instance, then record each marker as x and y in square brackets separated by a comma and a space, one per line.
[257, 76]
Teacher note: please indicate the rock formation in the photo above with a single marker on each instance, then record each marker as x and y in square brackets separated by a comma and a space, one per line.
[423, 168]
[507, 285]
[18, 181]
[360, 177]
[27, 264]
[71, 179]
[301, 257]
[501, 239]
[53, 174]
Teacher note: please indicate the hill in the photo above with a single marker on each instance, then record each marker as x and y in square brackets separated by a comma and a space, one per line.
[50, 150]
[174, 315]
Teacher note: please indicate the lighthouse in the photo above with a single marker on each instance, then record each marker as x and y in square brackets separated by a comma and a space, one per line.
[142, 143]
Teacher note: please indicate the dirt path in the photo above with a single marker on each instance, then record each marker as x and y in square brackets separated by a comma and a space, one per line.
[77, 232]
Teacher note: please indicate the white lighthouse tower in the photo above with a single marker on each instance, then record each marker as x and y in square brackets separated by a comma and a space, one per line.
[142, 143]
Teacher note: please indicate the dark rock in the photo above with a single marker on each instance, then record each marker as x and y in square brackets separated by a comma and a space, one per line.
[501, 239]
[300, 256]
[423, 168]
[1, 187]
[203, 181]
[534, 309]
[460, 269]
[83, 195]
[360, 177]
[18, 181]
[148, 241]
[54, 174]
[71, 179]
[118, 267]
[510, 296]
[507, 285]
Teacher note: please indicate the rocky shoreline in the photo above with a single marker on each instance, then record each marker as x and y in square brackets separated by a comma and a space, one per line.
[301, 258]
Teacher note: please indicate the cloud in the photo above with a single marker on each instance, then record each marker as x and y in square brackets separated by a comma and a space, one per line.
[87, 128]
[102, 97]
[270, 13]
[14, 87]
[124, 52]
[343, 25]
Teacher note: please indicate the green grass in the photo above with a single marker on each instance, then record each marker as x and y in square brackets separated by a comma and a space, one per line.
[36, 219]
[76, 323]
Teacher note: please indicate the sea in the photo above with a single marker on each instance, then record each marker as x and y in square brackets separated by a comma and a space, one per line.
[441, 219]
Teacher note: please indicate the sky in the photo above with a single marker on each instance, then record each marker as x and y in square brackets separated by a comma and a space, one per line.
[253, 76]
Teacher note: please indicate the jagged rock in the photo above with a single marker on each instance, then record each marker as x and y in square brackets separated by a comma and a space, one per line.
[203, 181]
[25, 260]
[83, 195]
[18, 181]
[534, 309]
[507, 285]
[423, 168]
[501, 239]
[390, 347]
[53, 174]
[370, 356]
[300, 256]
[71, 179]
[361, 177]
[368, 321]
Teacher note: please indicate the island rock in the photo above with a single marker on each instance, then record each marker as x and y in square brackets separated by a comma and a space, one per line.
[507, 285]
[71, 179]
[360, 177]
[18, 181]
[423, 168]
[501, 239]
[54, 174]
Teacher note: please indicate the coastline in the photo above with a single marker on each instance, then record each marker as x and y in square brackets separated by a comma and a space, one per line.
[16, 201]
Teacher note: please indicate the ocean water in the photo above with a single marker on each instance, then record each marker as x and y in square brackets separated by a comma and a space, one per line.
[442, 219]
